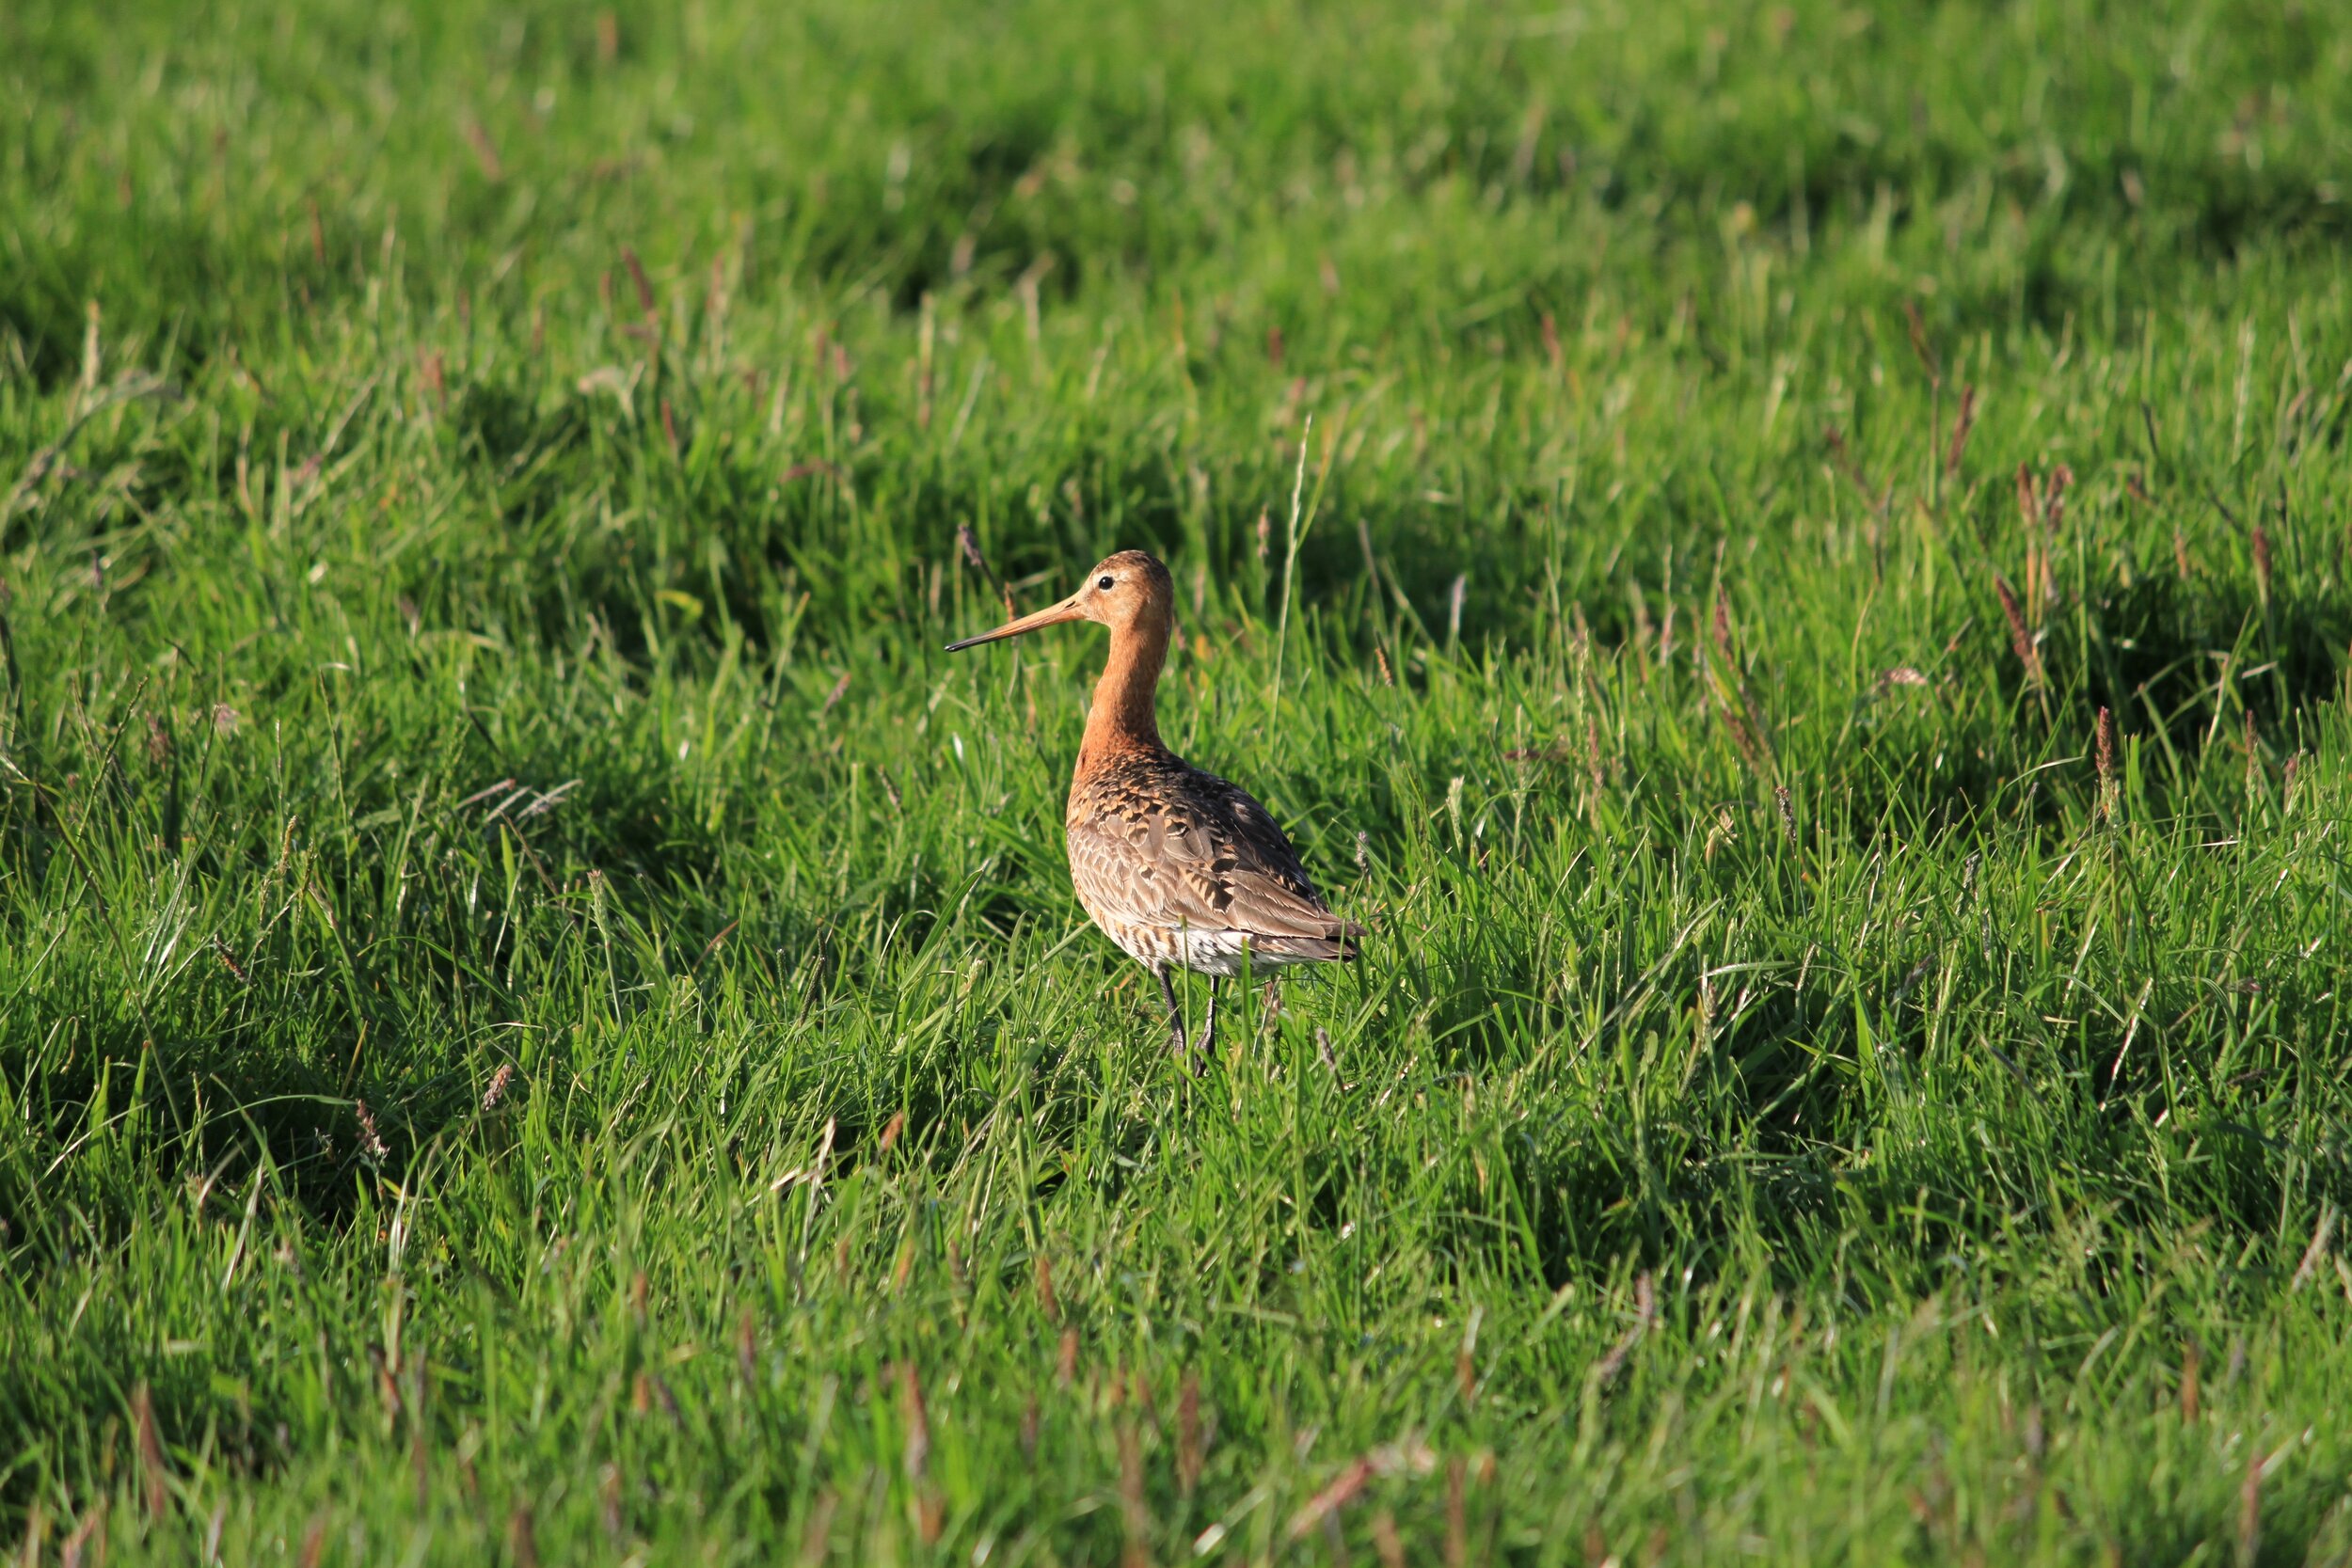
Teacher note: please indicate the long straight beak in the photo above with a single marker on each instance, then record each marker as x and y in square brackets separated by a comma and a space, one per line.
[1066, 611]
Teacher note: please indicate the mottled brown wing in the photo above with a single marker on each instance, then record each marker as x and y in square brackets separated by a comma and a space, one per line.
[1191, 851]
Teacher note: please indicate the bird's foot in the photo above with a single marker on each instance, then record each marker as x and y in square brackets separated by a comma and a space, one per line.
[1198, 1048]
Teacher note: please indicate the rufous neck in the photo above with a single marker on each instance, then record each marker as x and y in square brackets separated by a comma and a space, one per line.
[1124, 716]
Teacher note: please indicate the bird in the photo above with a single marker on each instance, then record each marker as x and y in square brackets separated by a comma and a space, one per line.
[1180, 868]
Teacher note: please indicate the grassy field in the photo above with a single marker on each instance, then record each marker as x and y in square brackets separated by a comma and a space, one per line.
[543, 1020]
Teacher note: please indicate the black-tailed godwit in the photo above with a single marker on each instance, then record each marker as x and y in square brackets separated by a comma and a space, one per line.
[1179, 867]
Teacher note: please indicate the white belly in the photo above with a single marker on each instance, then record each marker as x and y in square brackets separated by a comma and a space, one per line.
[1203, 952]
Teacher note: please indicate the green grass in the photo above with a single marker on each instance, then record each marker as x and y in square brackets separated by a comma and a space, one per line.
[480, 505]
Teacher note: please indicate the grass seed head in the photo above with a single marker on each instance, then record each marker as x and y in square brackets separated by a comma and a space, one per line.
[2104, 756]
[2054, 497]
[1962, 423]
[2019, 640]
[1917, 330]
[371, 1142]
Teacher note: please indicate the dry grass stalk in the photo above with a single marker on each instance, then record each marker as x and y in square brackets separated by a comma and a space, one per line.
[1645, 1313]
[150, 1452]
[2319, 1249]
[1734, 704]
[840, 689]
[522, 1538]
[2110, 790]
[1325, 1504]
[644, 289]
[1842, 459]
[971, 546]
[2262, 564]
[93, 1528]
[2054, 497]
[419, 1441]
[816, 1540]
[386, 1387]
[486, 152]
[2249, 1508]
[1962, 424]
[1457, 1515]
[2029, 508]
[917, 1454]
[1136, 1518]
[2041, 507]
[75, 1544]
[1047, 1300]
[1386, 1540]
[652, 1390]
[1190, 1448]
[926, 352]
[1917, 329]
[608, 1503]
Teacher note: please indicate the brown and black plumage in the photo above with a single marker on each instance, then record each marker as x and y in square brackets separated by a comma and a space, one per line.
[1179, 867]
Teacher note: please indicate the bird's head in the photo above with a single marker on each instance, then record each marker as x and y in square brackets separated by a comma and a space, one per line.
[1127, 591]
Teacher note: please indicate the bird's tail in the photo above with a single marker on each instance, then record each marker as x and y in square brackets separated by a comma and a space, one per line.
[1340, 946]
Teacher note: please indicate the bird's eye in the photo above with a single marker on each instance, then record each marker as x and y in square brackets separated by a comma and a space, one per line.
[1104, 583]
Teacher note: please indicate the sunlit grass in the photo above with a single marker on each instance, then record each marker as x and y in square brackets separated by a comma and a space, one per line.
[543, 1019]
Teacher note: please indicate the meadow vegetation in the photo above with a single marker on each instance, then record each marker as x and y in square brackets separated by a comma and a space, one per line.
[542, 1019]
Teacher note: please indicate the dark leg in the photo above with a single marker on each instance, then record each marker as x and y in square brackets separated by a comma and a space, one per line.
[1208, 1030]
[1175, 1013]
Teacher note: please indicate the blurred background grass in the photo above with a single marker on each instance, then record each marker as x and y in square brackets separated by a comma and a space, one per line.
[542, 1018]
